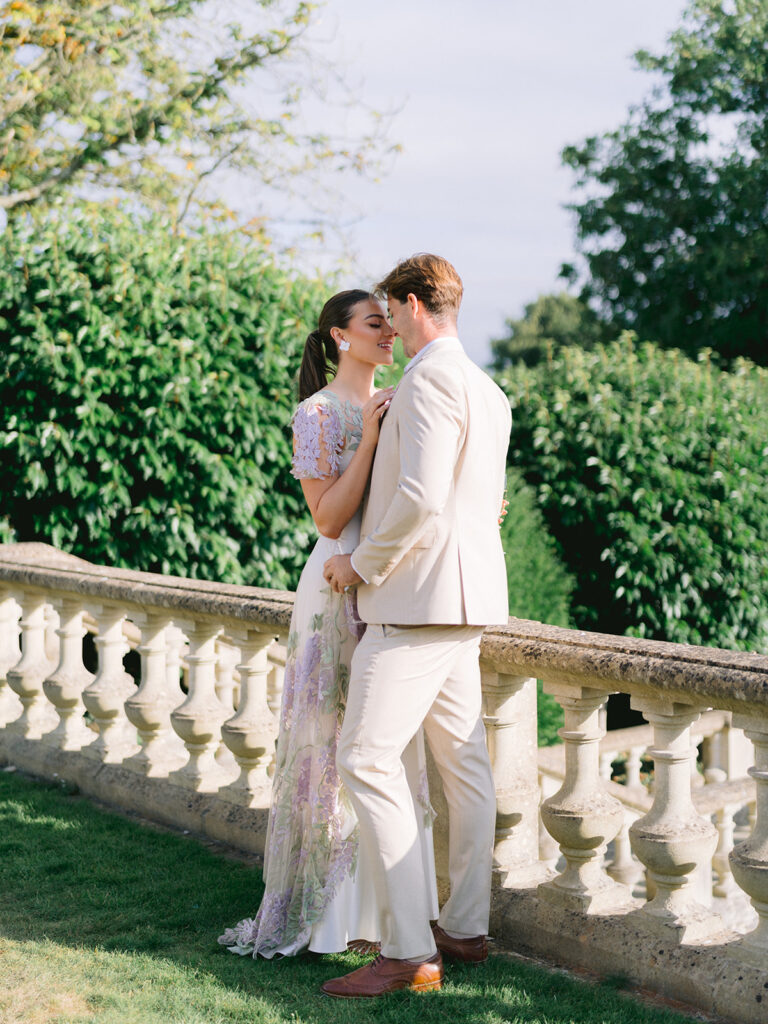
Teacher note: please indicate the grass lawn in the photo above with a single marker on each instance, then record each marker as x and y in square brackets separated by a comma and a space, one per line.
[104, 920]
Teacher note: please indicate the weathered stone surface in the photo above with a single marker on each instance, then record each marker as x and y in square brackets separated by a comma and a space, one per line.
[736, 793]
[714, 976]
[730, 680]
[43, 566]
[722, 974]
[736, 681]
[207, 814]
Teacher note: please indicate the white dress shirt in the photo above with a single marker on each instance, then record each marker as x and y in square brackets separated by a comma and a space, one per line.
[422, 351]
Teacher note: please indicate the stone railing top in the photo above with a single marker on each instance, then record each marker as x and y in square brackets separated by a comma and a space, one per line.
[42, 566]
[703, 676]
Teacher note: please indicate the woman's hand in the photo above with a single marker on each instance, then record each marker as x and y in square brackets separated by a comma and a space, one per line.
[373, 410]
[340, 573]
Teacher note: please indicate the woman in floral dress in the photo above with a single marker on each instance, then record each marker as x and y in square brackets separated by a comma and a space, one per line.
[318, 890]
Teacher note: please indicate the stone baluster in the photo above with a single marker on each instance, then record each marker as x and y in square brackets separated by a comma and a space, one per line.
[581, 816]
[51, 644]
[275, 677]
[228, 693]
[175, 649]
[710, 754]
[624, 868]
[106, 696]
[735, 752]
[227, 658]
[198, 720]
[26, 677]
[64, 689]
[10, 653]
[672, 840]
[549, 851]
[749, 860]
[634, 766]
[149, 708]
[697, 777]
[250, 734]
[605, 769]
[510, 721]
[724, 885]
[275, 682]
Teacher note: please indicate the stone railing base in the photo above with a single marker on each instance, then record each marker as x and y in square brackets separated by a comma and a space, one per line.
[715, 976]
[207, 814]
[188, 741]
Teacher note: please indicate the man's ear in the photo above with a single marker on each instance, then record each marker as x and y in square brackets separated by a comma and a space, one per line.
[413, 304]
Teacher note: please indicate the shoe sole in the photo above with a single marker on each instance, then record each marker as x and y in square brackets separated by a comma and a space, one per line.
[426, 986]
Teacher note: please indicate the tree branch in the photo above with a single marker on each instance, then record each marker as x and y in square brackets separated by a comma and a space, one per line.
[205, 174]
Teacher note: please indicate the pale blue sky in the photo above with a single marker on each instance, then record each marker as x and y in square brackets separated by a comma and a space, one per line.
[487, 94]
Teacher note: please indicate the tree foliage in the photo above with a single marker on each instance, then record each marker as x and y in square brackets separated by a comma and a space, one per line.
[671, 217]
[549, 322]
[539, 587]
[650, 471]
[147, 384]
[147, 96]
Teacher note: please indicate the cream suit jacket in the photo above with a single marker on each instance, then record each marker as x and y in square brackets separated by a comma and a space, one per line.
[431, 551]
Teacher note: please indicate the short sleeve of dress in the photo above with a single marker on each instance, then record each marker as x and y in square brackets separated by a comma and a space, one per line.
[318, 440]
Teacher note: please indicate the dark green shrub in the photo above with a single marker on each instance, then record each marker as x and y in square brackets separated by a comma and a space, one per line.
[650, 470]
[146, 390]
[539, 586]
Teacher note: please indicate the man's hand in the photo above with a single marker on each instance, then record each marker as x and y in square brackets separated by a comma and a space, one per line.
[340, 573]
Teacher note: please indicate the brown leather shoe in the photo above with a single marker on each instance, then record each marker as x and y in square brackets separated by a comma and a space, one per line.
[469, 951]
[387, 975]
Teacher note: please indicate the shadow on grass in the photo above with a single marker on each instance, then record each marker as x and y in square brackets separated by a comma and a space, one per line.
[129, 916]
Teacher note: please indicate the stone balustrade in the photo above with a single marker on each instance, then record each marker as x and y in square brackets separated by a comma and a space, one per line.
[584, 913]
[722, 791]
[189, 741]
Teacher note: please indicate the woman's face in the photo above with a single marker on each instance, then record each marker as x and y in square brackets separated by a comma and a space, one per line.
[369, 335]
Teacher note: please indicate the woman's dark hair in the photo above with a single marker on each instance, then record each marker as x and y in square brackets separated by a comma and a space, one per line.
[321, 357]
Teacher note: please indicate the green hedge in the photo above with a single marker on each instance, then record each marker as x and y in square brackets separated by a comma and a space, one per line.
[146, 390]
[651, 472]
[539, 586]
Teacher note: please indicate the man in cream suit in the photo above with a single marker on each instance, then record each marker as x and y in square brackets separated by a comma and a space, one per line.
[430, 574]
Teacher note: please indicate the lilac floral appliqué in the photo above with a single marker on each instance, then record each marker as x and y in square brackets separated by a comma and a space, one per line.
[317, 430]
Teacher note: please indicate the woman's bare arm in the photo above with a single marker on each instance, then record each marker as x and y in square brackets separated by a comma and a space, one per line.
[334, 500]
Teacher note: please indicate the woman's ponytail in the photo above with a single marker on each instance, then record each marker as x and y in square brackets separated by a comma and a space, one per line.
[317, 364]
[321, 356]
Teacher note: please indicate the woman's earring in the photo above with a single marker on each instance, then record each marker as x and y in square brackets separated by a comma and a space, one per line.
[343, 345]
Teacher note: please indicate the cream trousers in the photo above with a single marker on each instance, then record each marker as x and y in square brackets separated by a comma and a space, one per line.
[401, 677]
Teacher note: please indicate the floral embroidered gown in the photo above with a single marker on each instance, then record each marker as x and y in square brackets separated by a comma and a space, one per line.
[318, 889]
